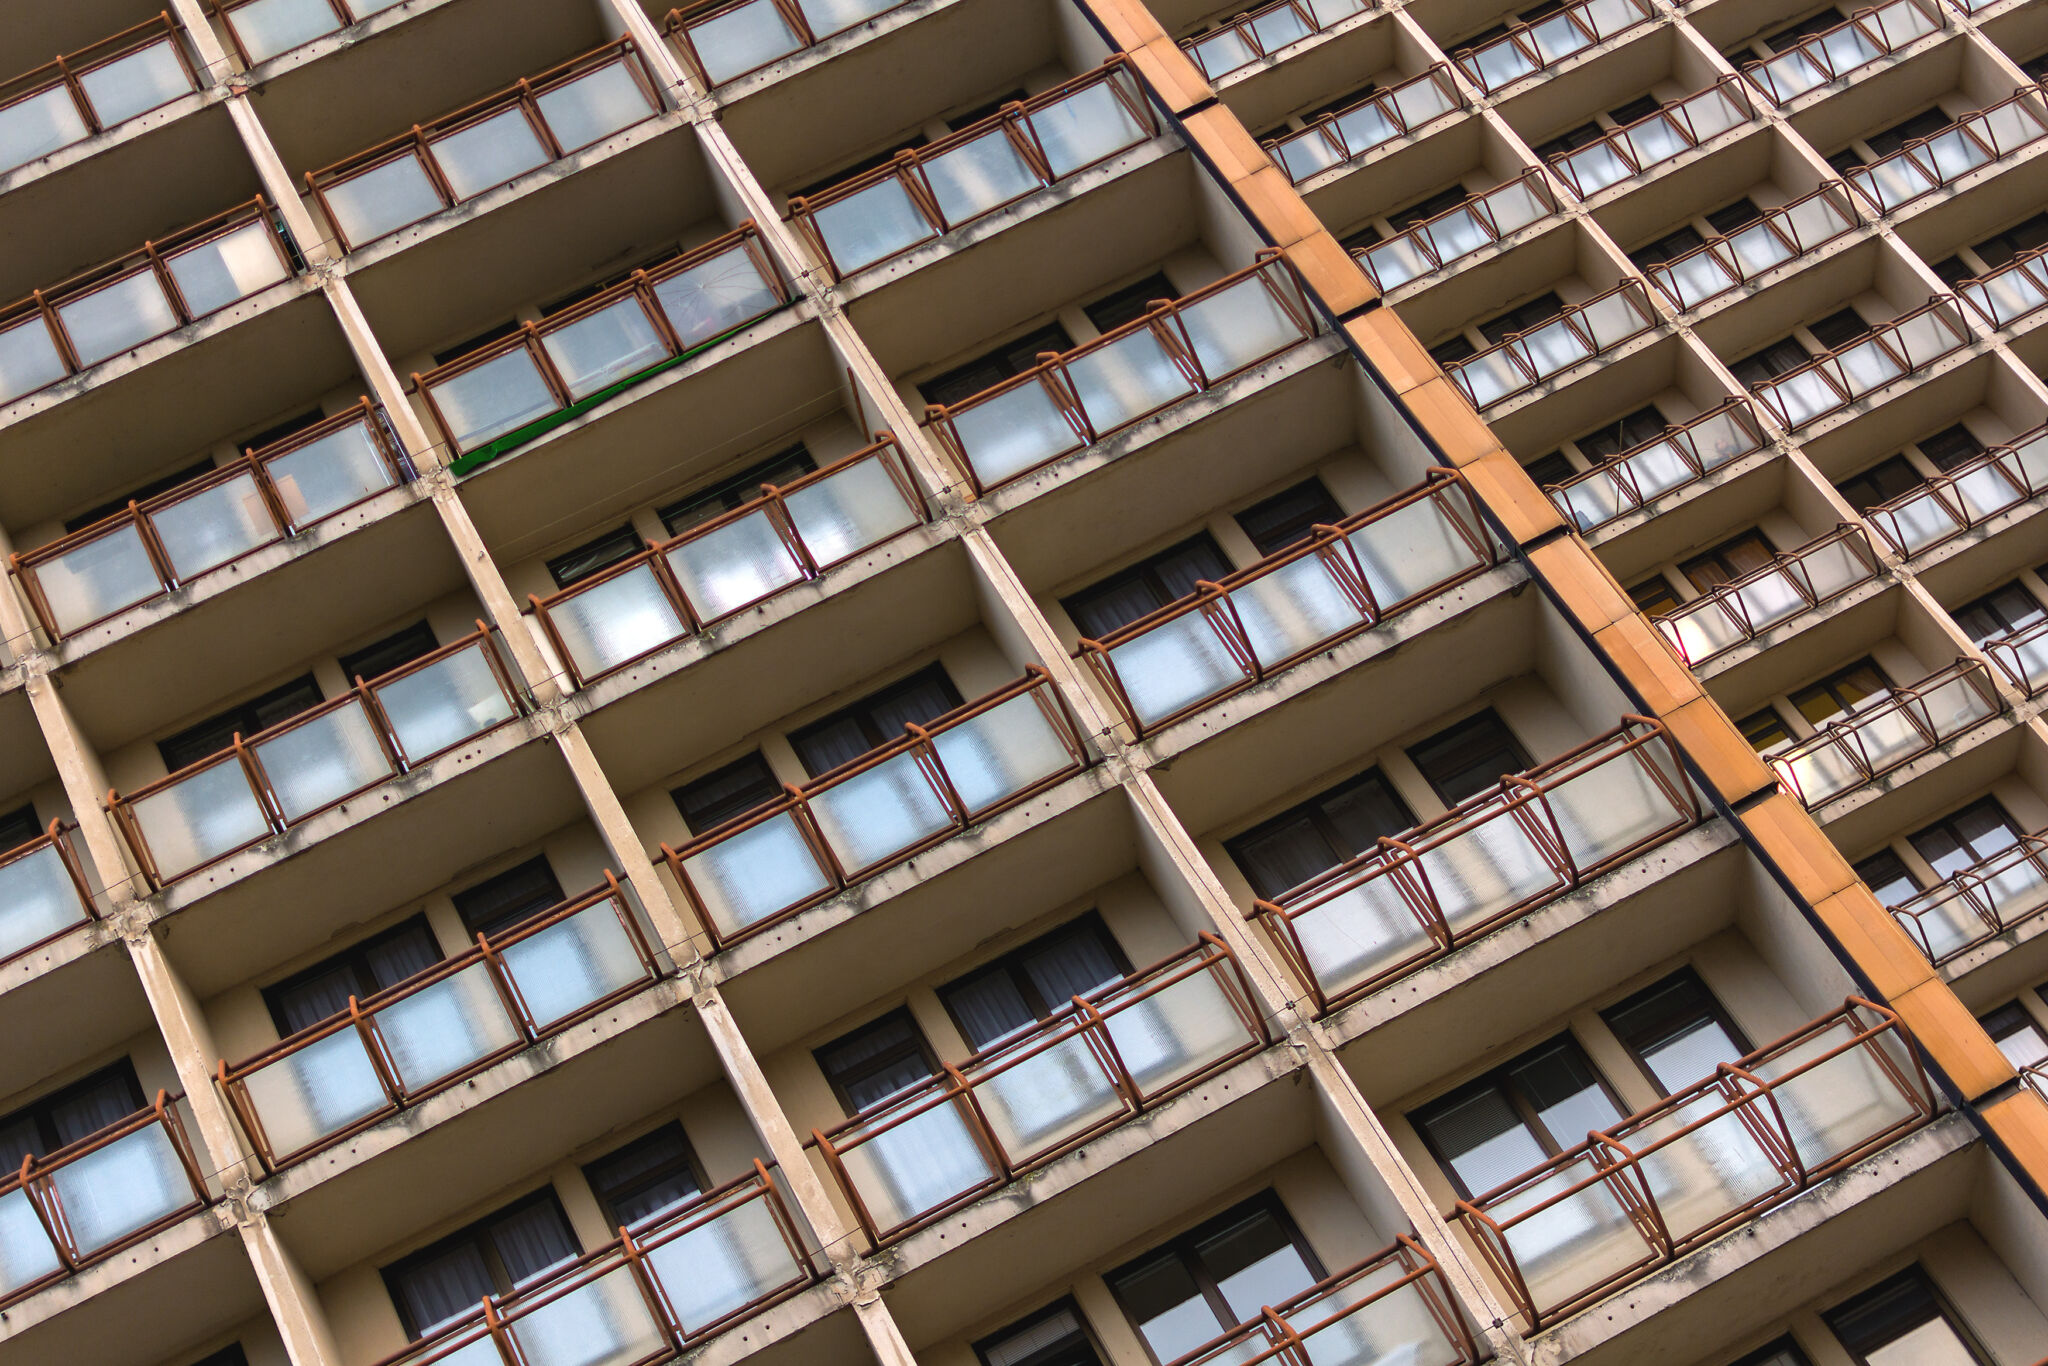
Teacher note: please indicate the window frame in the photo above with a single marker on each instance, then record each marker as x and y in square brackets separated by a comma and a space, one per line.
[1499, 1078]
[39, 1110]
[1471, 722]
[686, 1163]
[1938, 1302]
[1145, 571]
[471, 921]
[860, 711]
[1312, 808]
[355, 958]
[920, 1046]
[1066, 1304]
[1010, 962]
[1717, 1011]
[753, 757]
[476, 1233]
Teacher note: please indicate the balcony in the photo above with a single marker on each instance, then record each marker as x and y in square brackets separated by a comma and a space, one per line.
[1479, 222]
[1669, 1179]
[1978, 903]
[1672, 131]
[1739, 259]
[93, 317]
[2022, 657]
[261, 29]
[1833, 380]
[1229, 635]
[1744, 608]
[849, 824]
[660, 1289]
[1107, 1056]
[1386, 117]
[1417, 897]
[1256, 36]
[1848, 47]
[1523, 360]
[163, 543]
[84, 93]
[394, 1049]
[790, 535]
[83, 1203]
[1528, 48]
[2015, 291]
[1394, 1306]
[1646, 472]
[1948, 505]
[723, 40]
[1911, 721]
[1070, 401]
[503, 395]
[43, 893]
[927, 192]
[1928, 164]
[486, 144]
[279, 777]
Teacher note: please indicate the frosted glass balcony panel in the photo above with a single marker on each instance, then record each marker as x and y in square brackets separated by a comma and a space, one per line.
[1174, 1033]
[604, 347]
[486, 401]
[1401, 1328]
[1235, 327]
[713, 297]
[1621, 801]
[739, 563]
[383, 199]
[880, 812]
[322, 477]
[1223, 52]
[573, 964]
[210, 528]
[845, 513]
[617, 620]
[269, 27]
[760, 872]
[307, 1095]
[489, 153]
[445, 1028]
[1493, 865]
[200, 818]
[29, 358]
[1292, 608]
[1576, 1243]
[99, 578]
[605, 1322]
[439, 705]
[1359, 932]
[871, 225]
[117, 317]
[592, 107]
[1497, 64]
[1049, 1098]
[133, 1182]
[722, 1266]
[917, 1166]
[1840, 1105]
[1002, 751]
[1411, 550]
[977, 176]
[1707, 1176]
[1091, 125]
[1017, 430]
[232, 266]
[318, 762]
[26, 1253]
[1123, 381]
[1174, 665]
[38, 899]
[741, 39]
[827, 17]
[135, 83]
[38, 125]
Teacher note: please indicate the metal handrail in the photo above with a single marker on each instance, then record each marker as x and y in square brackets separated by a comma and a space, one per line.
[1519, 355]
[682, 22]
[917, 744]
[1736, 1097]
[1846, 737]
[344, 17]
[1730, 600]
[1289, 21]
[254, 464]
[55, 839]
[1644, 471]
[1584, 24]
[67, 70]
[2001, 478]
[1681, 128]
[1088, 1018]
[1974, 890]
[1423, 243]
[1782, 225]
[1395, 874]
[2027, 268]
[1331, 546]
[2011, 652]
[1882, 28]
[773, 503]
[1352, 132]
[1892, 341]
[1993, 133]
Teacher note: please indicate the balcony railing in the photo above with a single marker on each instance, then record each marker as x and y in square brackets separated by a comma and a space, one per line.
[880, 809]
[483, 145]
[1650, 141]
[1523, 360]
[2023, 657]
[1796, 581]
[1669, 1179]
[1721, 264]
[1346, 578]
[1415, 898]
[92, 317]
[1451, 236]
[268, 782]
[789, 535]
[163, 544]
[1835, 379]
[1980, 902]
[262, 29]
[43, 892]
[1101, 1058]
[2016, 290]
[1071, 400]
[723, 40]
[2036, 1079]
[929, 191]
[501, 395]
[1393, 1307]
[1927, 164]
[1855, 749]
[1257, 35]
[1386, 116]
[1950, 504]
[392, 1050]
[1848, 47]
[656, 1290]
[1528, 48]
[84, 93]
[85, 1202]
[1649, 470]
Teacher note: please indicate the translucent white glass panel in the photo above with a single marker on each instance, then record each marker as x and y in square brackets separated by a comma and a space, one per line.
[1574, 1244]
[127, 1185]
[26, 1254]
[135, 83]
[1358, 933]
[1276, 28]
[1616, 803]
[871, 225]
[592, 107]
[918, 1165]
[604, 1323]
[1085, 128]
[490, 152]
[1239, 325]
[489, 400]
[723, 1265]
[573, 963]
[1223, 52]
[322, 477]
[232, 266]
[269, 27]
[1399, 1329]
[2004, 297]
[1125, 380]
[614, 621]
[98, 578]
[39, 125]
[198, 819]
[37, 899]
[755, 874]
[1704, 1177]
[604, 347]
[741, 562]
[319, 762]
[1497, 63]
[1411, 551]
[1838, 1105]
[29, 358]
[1594, 168]
[978, 176]
[741, 39]
[1017, 430]
[1001, 752]
[1293, 608]
[1801, 396]
[714, 297]
[827, 17]
[1495, 864]
[117, 317]
[318, 1090]
[210, 528]
[444, 703]
[1174, 665]
[849, 511]
[383, 199]
[444, 1028]
[880, 812]
[1047, 1099]
[1174, 1033]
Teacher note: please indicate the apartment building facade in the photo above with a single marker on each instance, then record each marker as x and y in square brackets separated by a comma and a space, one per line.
[1344, 683]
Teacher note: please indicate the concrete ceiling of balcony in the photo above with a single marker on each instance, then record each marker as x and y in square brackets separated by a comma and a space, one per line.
[59, 1018]
[34, 34]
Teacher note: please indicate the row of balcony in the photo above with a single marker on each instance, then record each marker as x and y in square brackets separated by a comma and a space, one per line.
[84, 93]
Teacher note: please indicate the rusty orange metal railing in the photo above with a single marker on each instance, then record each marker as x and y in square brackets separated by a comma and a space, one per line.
[723, 40]
[280, 31]
[1927, 164]
[1795, 581]
[1536, 45]
[82, 94]
[1383, 117]
[1951, 503]
[1578, 332]
[1257, 34]
[43, 892]
[1908, 722]
[1977, 904]
[1646, 471]
[1864, 37]
[1728, 262]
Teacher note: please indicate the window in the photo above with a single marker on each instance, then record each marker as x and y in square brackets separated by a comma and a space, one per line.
[986, 371]
[1130, 303]
[1669, 247]
[218, 732]
[1962, 839]
[1028, 985]
[1634, 111]
[1527, 16]
[1358, 241]
[1820, 21]
[63, 1117]
[1625, 433]
[1729, 217]
[1289, 516]
[1766, 733]
[573, 566]
[1841, 693]
[493, 1256]
[481, 339]
[1655, 597]
[1490, 1131]
[1924, 124]
[1319, 834]
[1554, 468]
[1844, 161]
[395, 651]
[230, 1355]
[1146, 586]
[648, 1177]
[1215, 1277]
[1450, 352]
[278, 431]
[1953, 270]
[378, 963]
[2016, 1035]
[1676, 1031]
[1839, 328]
[2036, 68]
[861, 167]
[19, 826]
[1888, 877]
[1469, 758]
[1780, 358]
[1357, 95]
[1423, 210]
[136, 495]
[1902, 1322]
[1538, 310]
[1570, 141]
[1054, 1336]
[1728, 561]
[967, 118]
[697, 508]
[1881, 483]
[1783, 1352]
[873, 721]
[1999, 613]
[876, 1061]
[727, 793]
[499, 903]
[1950, 447]
[2000, 248]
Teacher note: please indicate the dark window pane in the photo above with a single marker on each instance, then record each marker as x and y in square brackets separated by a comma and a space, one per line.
[1953, 270]
[1448, 353]
[1623, 434]
[1570, 141]
[1820, 21]
[1882, 482]
[1423, 210]
[876, 1061]
[137, 494]
[1355, 242]
[1677, 1030]
[449, 1279]
[481, 339]
[621, 543]
[18, 827]
[434, 1290]
[2000, 248]
[1902, 1322]
[1215, 1277]
[1554, 468]
[1469, 758]
[1965, 838]
[1635, 110]
[1146, 586]
[875, 720]
[1655, 597]
[1029, 984]
[2016, 1034]
[1254, 1262]
[1844, 161]
[1557, 1082]
[1538, 310]
[1729, 217]
[1950, 447]
[724, 794]
[1783, 1352]
[987, 371]
[1766, 733]
[1277, 522]
[497, 904]
[1167, 1307]
[648, 1177]
[230, 1355]
[395, 651]
[1839, 328]
[1781, 357]
[1888, 878]
[1478, 1134]
[217, 733]
[1316, 836]
[1840, 693]
[1730, 560]
[1130, 303]
[736, 491]
[321, 992]
[1924, 124]
[1054, 1336]
[1669, 247]
[68, 1114]
[1999, 612]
